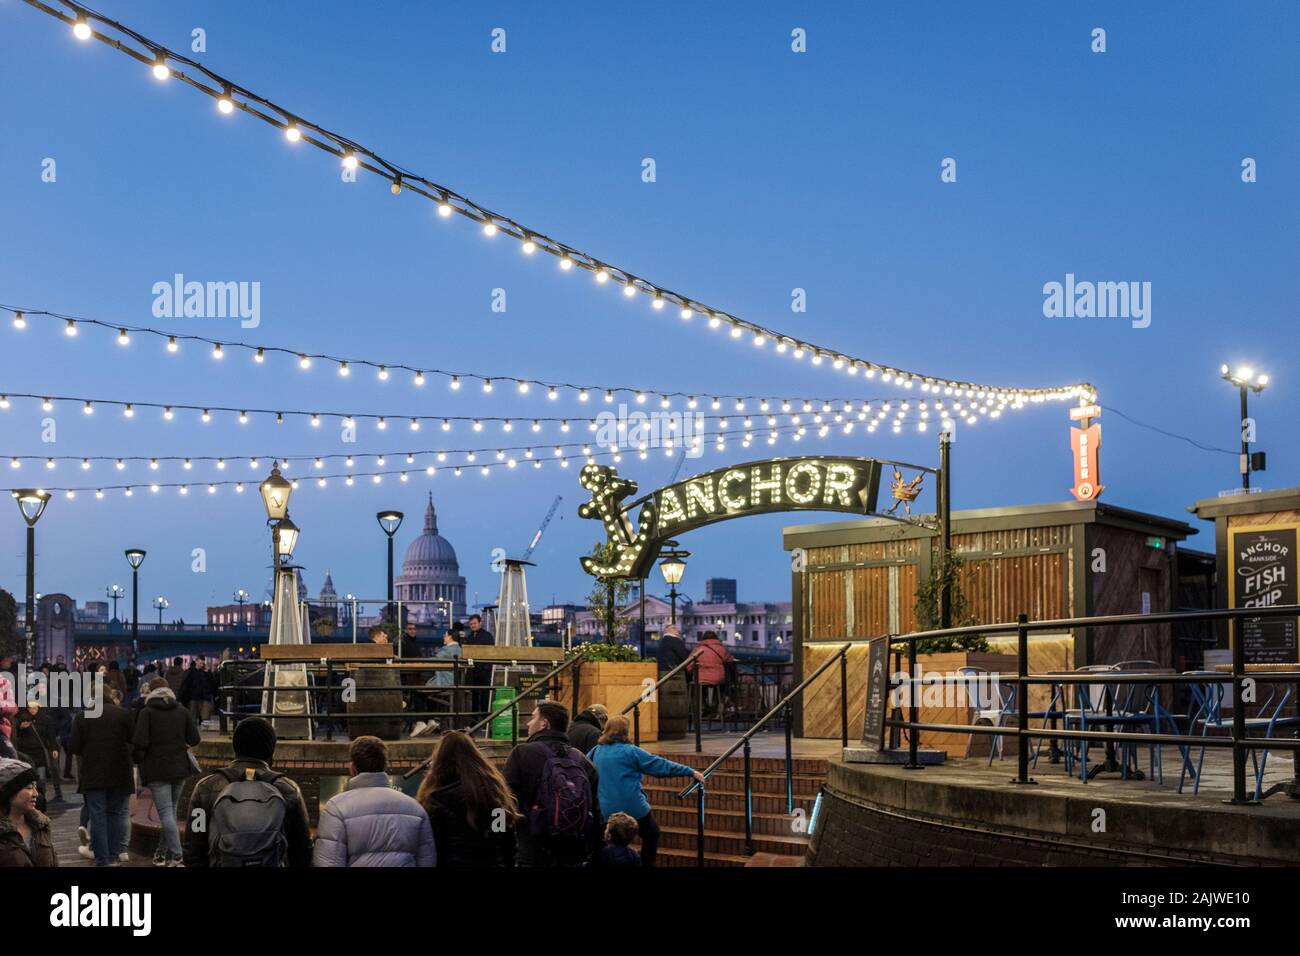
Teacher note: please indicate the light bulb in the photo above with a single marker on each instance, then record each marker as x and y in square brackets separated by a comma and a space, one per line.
[81, 29]
[217, 352]
[529, 246]
[225, 104]
[349, 160]
[292, 133]
[444, 208]
[20, 322]
[344, 371]
[489, 229]
[455, 382]
[160, 69]
[123, 338]
[71, 327]
[304, 361]
[383, 373]
[172, 344]
[419, 378]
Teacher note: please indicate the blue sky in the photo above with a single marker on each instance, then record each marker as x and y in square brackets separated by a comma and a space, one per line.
[775, 171]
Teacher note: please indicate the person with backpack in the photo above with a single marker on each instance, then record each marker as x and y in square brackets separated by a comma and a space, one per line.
[106, 779]
[621, 766]
[254, 816]
[556, 788]
[470, 805]
[370, 823]
[164, 732]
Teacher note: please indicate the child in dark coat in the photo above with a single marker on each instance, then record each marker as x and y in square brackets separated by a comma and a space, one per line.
[620, 830]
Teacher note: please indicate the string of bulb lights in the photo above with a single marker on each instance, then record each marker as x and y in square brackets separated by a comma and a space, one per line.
[440, 455]
[921, 413]
[231, 97]
[306, 359]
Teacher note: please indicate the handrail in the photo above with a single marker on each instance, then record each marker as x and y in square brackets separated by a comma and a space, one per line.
[649, 691]
[509, 705]
[762, 722]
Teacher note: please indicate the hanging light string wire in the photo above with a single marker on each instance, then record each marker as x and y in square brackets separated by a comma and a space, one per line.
[231, 96]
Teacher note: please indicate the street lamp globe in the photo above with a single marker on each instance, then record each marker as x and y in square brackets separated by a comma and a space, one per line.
[1243, 376]
[32, 502]
[390, 521]
[275, 491]
[135, 557]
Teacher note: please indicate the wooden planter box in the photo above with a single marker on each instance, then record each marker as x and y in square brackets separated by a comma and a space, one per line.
[615, 684]
[957, 708]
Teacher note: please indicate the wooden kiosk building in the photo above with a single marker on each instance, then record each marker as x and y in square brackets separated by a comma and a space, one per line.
[859, 579]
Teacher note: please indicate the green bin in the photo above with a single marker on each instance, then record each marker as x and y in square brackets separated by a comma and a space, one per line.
[501, 723]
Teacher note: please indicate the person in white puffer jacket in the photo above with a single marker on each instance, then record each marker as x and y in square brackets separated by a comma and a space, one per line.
[370, 823]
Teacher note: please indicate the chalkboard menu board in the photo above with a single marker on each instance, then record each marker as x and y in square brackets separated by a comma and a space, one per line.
[1262, 563]
[873, 722]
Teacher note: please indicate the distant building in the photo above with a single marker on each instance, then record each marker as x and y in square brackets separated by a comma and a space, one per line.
[767, 626]
[720, 591]
[431, 574]
[92, 612]
[249, 614]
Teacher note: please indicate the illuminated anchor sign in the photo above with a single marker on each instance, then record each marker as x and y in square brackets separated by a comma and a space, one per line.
[848, 485]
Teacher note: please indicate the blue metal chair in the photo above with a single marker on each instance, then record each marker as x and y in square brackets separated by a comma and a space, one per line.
[1208, 701]
[1090, 705]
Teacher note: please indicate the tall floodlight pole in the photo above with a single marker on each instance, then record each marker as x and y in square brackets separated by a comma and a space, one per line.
[31, 503]
[1246, 380]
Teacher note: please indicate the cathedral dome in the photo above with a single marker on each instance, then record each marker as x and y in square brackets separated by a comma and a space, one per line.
[431, 574]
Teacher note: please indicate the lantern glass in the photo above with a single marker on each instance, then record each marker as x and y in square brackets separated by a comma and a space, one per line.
[288, 536]
[275, 492]
[673, 567]
[32, 504]
[135, 557]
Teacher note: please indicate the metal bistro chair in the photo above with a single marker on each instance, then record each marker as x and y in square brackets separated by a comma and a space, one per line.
[1208, 700]
[1138, 706]
[1090, 705]
[991, 700]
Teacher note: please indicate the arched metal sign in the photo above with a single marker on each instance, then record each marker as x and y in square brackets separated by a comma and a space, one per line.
[813, 483]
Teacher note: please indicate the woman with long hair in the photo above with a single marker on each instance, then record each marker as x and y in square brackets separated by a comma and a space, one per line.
[621, 765]
[469, 804]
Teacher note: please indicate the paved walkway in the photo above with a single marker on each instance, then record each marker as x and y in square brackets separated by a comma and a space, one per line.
[65, 817]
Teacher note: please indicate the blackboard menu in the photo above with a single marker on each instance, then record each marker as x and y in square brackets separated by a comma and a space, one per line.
[873, 722]
[1263, 568]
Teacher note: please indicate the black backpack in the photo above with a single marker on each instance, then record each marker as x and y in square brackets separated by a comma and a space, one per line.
[563, 805]
[246, 825]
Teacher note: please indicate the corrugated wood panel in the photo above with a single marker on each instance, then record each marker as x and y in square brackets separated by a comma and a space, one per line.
[874, 551]
[999, 589]
[854, 602]
[1013, 539]
[828, 604]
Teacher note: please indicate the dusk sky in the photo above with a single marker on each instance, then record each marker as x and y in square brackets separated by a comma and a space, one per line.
[774, 171]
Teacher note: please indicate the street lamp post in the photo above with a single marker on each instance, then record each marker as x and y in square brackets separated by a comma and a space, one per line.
[161, 603]
[390, 521]
[673, 567]
[135, 558]
[31, 503]
[1246, 380]
[241, 598]
[275, 491]
[116, 592]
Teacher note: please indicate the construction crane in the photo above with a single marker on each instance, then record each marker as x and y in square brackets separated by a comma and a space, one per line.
[681, 460]
[528, 553]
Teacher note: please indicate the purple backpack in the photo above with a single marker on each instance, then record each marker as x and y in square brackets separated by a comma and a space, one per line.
[562, 807]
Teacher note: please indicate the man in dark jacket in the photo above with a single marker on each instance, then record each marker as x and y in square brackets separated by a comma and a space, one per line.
[176, 675]
[584, 730]
[524, 772]
[254, 744]
[104, 745]
[481, 672]
[672, 649]
[164, 732]
[197, 690]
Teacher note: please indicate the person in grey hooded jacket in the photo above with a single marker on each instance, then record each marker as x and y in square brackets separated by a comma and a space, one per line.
[369, 823]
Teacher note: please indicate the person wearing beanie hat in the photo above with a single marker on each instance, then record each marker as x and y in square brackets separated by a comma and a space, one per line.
[254, 744]
[25, 838]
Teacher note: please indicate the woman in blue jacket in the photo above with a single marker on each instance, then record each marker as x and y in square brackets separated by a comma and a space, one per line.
[620, 766]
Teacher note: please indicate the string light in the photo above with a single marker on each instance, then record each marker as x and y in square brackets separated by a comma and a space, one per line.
[263, 109]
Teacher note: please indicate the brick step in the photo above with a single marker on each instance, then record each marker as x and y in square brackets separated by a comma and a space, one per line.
[802, 765]
[666, 797]
[723, 782]
[727, 822]
[682, 858]
[683, 838]
[774, 859]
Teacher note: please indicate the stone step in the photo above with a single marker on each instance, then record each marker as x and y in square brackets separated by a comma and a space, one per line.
[683, 838]
[812, 766]
[728, 822]
[682, 858]
[722, 782]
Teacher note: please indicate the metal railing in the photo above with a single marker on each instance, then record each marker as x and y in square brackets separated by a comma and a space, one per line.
[782, 706]
[651, 693]
[1238, 739]
[513, 705]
